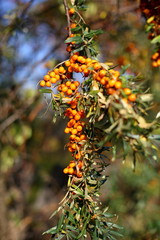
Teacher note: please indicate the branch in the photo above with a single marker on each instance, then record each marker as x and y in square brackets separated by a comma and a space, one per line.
[67, 14]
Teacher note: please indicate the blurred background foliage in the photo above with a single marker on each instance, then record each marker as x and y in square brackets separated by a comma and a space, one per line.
[32, 153]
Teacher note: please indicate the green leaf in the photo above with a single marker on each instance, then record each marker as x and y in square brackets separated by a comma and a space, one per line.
[45, 90]
[77, 39]
[156, 40]
[93, 33]
[52, 230]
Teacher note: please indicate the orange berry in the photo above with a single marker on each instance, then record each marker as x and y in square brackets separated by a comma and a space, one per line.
[79, 128]
[68, 49]
[86, 72]
[70, 69]
[103, 81]
[48, 84]
[72, 164]
[74, 57]
[46, 78]
[74, 131]
[82, 137]
[102, 73]
[42, 83]
[112, 83]
[78, 156]
[73, 87]
[81, 59]
[79, 174]
[76, 83]
[69, 92]
[64, 89]
[71, 11]
[70, 149]
[61, 70]
[97, 66]
[73, 25]
[53, 80]
[72, 137]
[74, 112]
[118, 85]
[52, 74]
[77, 139]
[127, 91]
[56, 71]
[68, 83]
[67, 63]
[88, 60]
[154, 64]
[77, 117]
[65, 170]
[67, 130]
[155, 56]
[70, 171]
[111, 91]
[71, 123]
[132, 97]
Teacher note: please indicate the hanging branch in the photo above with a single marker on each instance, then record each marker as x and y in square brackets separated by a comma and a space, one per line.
[68, 17]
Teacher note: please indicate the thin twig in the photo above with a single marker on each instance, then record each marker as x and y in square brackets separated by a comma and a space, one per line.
[68, 17]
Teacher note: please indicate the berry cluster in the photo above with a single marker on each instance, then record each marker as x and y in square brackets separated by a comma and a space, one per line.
[108, 80]
[150, 9]
[156, 59]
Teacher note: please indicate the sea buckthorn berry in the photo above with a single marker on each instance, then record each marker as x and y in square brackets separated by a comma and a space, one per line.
[67, 130]
[77, 83]
[77, 139]
[52, 74]
[48, 84]
[71, 11]
[68, 83]
[72, 137]
[86, 72]
[88, 60]
[78, 156]
[65, 170]
[72, 164]
[83, 137]
[68, 49]
[77, 117]
[155, 56]
[70, 171]
[67, 63]
[74, 112]
[74, 57]
[118, 84]
[111, 91]
[56, 71]
[73, 87]
[74, 131]
[103, 81]
[132, 97]
[71, 123]
[73, 25]
[42, 83]
[57, 77]
[70, 69]
[154, 64]
[97, 66]
[127, 91]
[79, 128]
[61, 70]
[112, 83]
[81, 59]
[70, 149]
[69, 92]
[53, 80]
[64, 89]
[102, 73]
[46, 78]
[79, 174]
